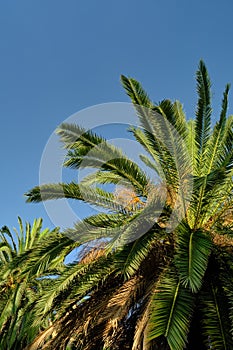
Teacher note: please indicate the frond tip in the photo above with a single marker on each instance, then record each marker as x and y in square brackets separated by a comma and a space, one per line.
[203, 112]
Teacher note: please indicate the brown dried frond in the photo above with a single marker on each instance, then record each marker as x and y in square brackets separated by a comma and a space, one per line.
[228, 218]
[92, 255]
[122, 295]
[119, 306]
[139, 336]
[222, 240]
[81, 325]
[41, 339]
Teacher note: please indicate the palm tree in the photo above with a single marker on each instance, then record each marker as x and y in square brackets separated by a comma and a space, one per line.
[170, 287]
[22, 280]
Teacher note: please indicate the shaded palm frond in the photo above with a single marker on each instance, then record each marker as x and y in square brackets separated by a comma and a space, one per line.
[171, 310]
[215, 321]
[193, 251]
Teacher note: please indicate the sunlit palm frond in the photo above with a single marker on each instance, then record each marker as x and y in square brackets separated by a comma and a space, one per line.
[203, 114]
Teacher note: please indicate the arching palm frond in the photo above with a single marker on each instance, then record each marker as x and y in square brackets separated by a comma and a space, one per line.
[86, 149]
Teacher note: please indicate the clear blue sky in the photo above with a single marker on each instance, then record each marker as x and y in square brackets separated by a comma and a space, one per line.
[57, 57]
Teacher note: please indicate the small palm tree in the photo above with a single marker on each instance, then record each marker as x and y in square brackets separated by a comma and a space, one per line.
[171, 287]
[22, 280]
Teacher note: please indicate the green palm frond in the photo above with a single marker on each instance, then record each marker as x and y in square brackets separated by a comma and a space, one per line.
[6, 253]
[225, 155]
[150, 117]
[71, 134]
[99, 226]
[226, 278]
[180, 122]
[136, 93]
[137, 254]
[5, 232]
[103, 177]
[149, 121]
[223, 114]
[191, 145]
[134, 254]
[73, 190]
[106, 220]
[119, 175]
[140, 222]
[203, 114]
[171, 310]
[207, 190]
[167, 170]
[220, 134]
[193, 251]
[46, 254]
[150, 163]
[77, 280]
[89, 150]
[220, 204]
[174, 113]
[167, 148]
[216, 324]
[95, 196]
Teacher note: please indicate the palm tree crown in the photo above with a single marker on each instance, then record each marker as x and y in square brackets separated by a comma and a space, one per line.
[164, 280]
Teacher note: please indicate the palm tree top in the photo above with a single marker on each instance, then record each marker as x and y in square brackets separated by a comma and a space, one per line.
[158, 274]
